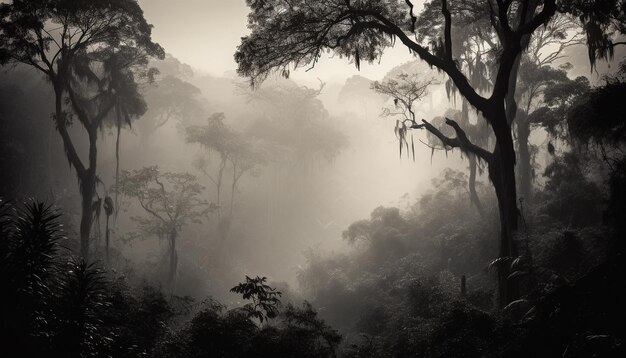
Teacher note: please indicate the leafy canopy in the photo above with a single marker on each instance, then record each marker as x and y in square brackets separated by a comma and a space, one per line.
[171, 200]
[48, 34]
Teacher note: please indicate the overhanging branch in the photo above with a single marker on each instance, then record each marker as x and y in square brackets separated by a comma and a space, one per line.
[460, 141]
[445, 65]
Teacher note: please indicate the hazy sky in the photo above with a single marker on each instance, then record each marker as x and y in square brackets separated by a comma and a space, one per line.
[205, 34]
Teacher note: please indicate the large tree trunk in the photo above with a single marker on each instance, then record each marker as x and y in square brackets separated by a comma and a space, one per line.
[502, 175]
[503, 172]
[511, 102]
[524, 168]
[86, 176]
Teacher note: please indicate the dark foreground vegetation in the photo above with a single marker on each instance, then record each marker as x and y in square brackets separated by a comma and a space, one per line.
[56, 305]
[409, 289]
[423, 282]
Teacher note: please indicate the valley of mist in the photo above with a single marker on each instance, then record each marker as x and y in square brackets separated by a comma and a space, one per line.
[297, 203]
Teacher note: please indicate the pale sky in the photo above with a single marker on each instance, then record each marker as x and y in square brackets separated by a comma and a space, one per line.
[205, 34]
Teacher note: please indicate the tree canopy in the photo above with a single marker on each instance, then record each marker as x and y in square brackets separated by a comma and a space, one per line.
[294, 34]
[170, 202]
[88, 50]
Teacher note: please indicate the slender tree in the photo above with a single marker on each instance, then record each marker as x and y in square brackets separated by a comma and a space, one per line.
[405, 90]
[218, 138]
[121, 71]
[234, 153]
[534, 81]
[170, 200]
[53, 36]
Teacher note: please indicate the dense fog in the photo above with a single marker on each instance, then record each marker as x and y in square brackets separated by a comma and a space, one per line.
[312, 178]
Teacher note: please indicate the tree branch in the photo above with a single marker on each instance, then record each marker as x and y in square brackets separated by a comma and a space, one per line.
[164, 193]
[448, 67]
[412, 15]
[150, 211]
[549, 9]
[460, 141]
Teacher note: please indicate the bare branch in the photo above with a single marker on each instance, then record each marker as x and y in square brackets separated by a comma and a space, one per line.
[460, 141]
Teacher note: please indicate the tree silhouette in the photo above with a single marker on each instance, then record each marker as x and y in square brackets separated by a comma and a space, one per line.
[61, 38]
[405, 90]
[172, 99]
[286, 34]
[170, 200]
[536, 72]
[296, 127]
[121, 70]
[231, 149]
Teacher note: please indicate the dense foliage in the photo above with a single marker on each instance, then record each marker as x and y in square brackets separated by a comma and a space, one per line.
[59, 305]
[421, 283]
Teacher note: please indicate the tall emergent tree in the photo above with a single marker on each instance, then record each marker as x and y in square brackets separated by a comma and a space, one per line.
[54, 37]
[536, 72]
[295, 121]
[296, 33]
[170, 200]
[172, 99]
[233, 152]
[120, 70]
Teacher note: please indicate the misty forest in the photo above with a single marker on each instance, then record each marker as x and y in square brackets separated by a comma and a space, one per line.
[303, 178]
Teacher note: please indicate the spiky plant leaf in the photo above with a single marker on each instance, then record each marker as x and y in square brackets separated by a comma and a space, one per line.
[516, 305]
[499, 262]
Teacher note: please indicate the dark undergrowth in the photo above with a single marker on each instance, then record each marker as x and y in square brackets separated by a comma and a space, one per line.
[394, 297]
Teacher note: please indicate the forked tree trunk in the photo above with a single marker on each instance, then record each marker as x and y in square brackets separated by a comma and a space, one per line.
[86, 176]
[503, 177]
